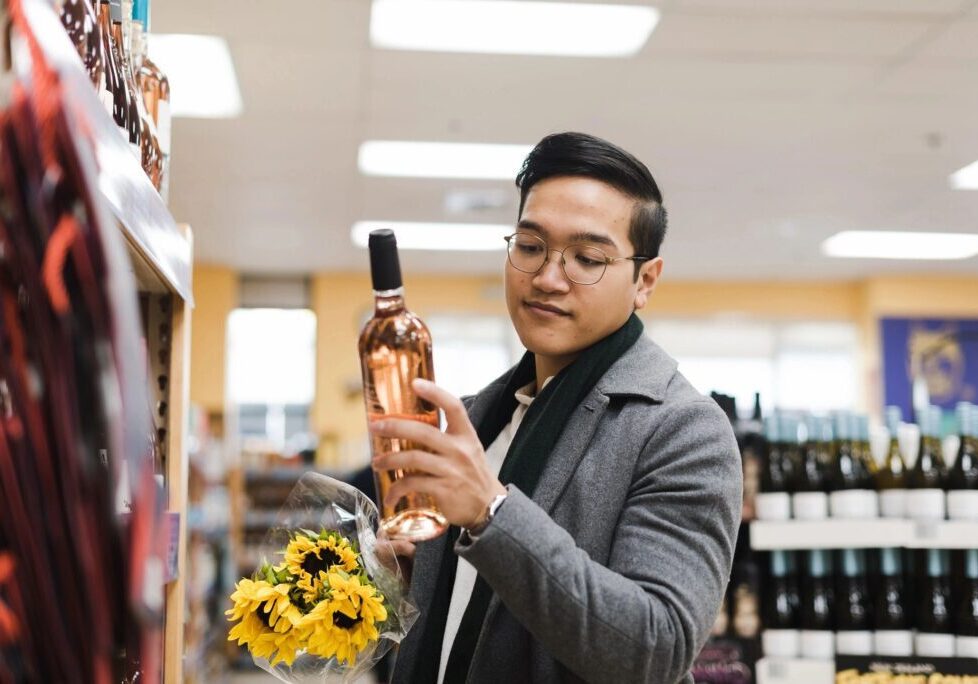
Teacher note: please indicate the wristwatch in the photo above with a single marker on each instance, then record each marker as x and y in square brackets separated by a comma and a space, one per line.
[491, 509]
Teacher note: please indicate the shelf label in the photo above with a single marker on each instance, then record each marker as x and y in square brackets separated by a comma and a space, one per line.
[907, 670]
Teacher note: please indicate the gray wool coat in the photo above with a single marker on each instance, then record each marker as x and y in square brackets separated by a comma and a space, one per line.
[614, 570]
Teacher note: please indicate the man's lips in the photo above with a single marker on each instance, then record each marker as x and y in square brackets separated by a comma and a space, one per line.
[549, 308]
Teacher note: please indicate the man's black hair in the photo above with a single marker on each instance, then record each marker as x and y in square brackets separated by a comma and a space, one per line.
[579, 154]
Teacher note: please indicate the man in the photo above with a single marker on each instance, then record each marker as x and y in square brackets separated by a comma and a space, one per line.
[595, 495]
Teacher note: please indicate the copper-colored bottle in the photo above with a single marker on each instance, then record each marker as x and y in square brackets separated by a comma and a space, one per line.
[81, 22]
[156, 92]
[150, 154]
[122, 94]
[111, 90]
[395, 348]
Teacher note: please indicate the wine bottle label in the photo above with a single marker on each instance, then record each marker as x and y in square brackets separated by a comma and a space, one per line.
[773, 506]
[780, 643]
[163, 125]
[926, 504]
[817, 644]
[893, 642]
[966, 646]
[854, 504]
[934, 645]
[893, 503]
[962, 504]
[810, 505]
[857, 642]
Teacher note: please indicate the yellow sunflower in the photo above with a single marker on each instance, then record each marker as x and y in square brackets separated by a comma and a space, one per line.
[248, 598]
[345, 623]
[364, 597]
[264, 612]
[285, 646]
[323, 638]
[308, 558]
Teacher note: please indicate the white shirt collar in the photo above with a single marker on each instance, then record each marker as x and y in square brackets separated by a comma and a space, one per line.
[525, 395]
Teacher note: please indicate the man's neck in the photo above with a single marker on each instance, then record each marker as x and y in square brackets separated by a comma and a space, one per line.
[548, 366]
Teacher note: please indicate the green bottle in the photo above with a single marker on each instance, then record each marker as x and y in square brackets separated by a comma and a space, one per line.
[891, 478]
[962, 479]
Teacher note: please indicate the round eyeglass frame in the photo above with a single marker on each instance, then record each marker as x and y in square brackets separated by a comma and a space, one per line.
[511, 240]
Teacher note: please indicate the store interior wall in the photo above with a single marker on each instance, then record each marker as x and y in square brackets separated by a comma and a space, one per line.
[341, 301]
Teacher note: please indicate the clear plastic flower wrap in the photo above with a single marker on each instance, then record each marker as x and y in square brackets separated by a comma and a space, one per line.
[329, 599]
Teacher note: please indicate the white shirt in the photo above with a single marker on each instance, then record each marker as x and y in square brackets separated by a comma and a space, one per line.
[465, 573]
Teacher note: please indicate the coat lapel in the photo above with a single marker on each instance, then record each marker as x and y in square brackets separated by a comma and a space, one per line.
[569, 450]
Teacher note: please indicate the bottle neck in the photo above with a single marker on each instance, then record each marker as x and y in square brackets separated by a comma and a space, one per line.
[104, 17]
[388, 302]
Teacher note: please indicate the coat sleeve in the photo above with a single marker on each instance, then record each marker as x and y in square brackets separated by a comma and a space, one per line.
[645, 617]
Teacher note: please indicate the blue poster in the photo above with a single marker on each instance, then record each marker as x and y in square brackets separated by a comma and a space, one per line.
[940, 354]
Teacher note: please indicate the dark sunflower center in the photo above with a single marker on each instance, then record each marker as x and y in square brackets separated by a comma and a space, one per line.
[313, 564]
[263, 616]
[344, 622]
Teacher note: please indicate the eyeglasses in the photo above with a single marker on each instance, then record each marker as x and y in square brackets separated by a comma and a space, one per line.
[581, 264]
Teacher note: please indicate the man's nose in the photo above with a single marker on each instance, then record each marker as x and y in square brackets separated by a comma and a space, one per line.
[551, 275]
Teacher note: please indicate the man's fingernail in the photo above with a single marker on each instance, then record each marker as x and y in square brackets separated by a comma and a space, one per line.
[377, 426]
[421, 383]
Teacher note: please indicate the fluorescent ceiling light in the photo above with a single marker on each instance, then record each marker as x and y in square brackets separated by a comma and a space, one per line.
[966, 178]
[441, 160]
[201, 74]
[888, 244]
[462, 237]
[511, 27]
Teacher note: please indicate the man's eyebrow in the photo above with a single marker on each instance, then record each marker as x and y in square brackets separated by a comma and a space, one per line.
[585, 236]
[527, 224]
[580, 236]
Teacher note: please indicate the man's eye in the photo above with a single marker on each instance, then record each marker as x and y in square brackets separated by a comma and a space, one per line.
[529, 248]
[588, 262]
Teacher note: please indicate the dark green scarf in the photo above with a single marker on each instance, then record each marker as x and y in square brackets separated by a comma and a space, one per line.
[528, 454]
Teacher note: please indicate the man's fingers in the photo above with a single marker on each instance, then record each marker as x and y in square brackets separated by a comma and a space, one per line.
[411, 430]
[411, 484]
[456, 417]
[414, 460]
[402, 548]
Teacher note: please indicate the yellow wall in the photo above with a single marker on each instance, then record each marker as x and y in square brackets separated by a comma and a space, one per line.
[215, 296]
[762, 299]
[342, 301]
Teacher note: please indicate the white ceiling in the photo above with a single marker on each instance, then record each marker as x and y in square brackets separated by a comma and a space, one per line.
[768, 124]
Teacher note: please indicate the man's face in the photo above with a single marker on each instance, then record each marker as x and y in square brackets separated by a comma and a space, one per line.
[555, 318]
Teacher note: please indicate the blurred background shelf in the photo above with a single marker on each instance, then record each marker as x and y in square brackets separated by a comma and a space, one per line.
[795, 671]
[862, 534]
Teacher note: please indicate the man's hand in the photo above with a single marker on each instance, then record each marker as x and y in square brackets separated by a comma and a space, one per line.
[395, 553]
[453, 470]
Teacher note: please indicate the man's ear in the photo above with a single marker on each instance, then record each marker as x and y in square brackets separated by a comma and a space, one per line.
[648, 276]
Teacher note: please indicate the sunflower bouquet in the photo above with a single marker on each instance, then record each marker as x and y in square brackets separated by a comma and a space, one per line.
[332, 601]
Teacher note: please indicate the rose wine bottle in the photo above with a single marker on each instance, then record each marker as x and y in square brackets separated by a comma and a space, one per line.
[156, 92]
[123, 96]
[80, 20]
[395, 348]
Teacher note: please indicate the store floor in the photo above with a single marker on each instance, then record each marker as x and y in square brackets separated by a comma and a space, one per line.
[262, 677]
